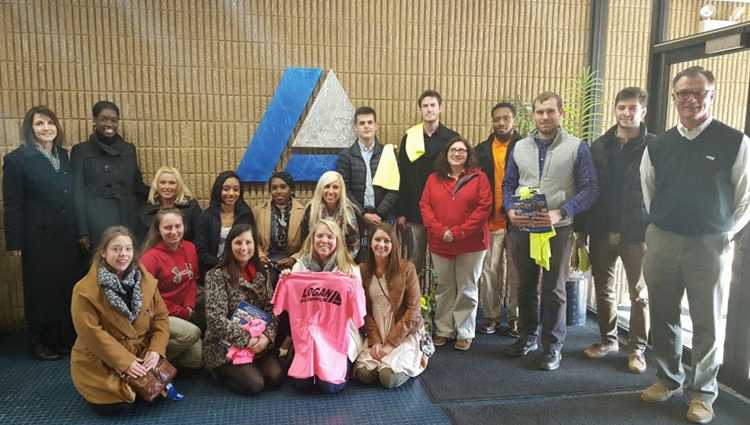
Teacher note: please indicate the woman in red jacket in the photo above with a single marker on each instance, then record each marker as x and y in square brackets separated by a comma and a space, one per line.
[455, 206]
[174, 263]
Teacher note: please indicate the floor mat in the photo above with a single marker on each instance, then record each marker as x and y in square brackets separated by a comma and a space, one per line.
[485, 373]
[33, 392]
[622, 409]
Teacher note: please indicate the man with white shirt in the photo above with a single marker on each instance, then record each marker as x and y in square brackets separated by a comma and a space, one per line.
[695, 180]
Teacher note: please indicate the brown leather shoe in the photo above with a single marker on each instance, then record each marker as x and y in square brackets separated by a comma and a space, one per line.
[636, 361]
[439, 341]
[463, 344]
[598, 350]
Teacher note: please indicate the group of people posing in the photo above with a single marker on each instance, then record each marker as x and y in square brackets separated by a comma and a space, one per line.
[452, 209]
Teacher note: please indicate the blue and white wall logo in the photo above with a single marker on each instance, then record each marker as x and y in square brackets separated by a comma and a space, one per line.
[328, 125]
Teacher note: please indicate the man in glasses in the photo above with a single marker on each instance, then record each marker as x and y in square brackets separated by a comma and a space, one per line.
[558, 165]
[695, 179]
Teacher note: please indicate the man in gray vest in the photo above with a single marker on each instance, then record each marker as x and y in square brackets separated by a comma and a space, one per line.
[558, 165]
[696, 187]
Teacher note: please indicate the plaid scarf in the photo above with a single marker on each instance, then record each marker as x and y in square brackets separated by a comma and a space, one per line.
[117, 291]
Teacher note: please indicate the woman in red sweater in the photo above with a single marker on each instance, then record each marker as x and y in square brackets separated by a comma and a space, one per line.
[174, 263]
[455, 206]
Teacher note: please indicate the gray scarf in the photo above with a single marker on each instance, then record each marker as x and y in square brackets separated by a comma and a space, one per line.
[116, 291]
[312, 264]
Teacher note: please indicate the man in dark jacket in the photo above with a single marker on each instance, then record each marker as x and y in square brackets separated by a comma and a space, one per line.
[499, 282]
[358, 164]
[616, 225]
[419, 147]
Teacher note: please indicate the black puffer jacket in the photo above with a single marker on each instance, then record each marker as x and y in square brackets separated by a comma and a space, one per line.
[486, 160]
[595, 221]
[208, 234]
[351, 165]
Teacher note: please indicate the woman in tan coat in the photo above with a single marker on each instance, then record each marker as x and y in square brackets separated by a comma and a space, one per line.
[279, 221]
[394, 320]
[122, 325]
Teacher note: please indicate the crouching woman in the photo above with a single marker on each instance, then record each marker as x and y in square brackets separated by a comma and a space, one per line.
[394, 321]
[122, 325]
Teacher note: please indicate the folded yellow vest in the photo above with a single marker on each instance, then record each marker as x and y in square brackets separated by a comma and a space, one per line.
[415, 142]
[387, 175]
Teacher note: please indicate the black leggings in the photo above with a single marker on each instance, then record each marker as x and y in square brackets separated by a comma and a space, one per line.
[250, 379]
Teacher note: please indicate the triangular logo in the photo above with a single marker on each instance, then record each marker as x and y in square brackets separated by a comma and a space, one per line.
[329, 122]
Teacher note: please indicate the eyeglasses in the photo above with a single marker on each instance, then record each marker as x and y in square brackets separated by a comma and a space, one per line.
[687, 94]
[457, 150]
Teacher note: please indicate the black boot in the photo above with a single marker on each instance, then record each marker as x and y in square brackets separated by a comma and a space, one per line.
[40, 350]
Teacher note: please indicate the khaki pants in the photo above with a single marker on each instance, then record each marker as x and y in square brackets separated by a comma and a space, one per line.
[456, 294]
[184, 346]
[676, 264]
[420, 245]
[499, 283]
[603, 259]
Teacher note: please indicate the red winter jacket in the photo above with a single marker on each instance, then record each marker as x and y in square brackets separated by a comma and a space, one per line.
[177, 273]
[463, 206]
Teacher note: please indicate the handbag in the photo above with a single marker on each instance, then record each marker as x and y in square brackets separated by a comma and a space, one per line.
[425, 343]
[155, 382]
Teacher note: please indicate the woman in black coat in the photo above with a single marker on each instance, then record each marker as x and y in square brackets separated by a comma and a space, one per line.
[168, 190]
[109, 185]
[226, 208]
[40, 226]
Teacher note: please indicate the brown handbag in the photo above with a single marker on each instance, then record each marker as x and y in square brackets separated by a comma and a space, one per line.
[153, 383]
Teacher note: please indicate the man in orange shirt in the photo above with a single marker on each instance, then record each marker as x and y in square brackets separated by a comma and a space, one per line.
[498, 284]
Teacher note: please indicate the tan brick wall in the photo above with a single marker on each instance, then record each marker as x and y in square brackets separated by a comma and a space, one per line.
[193, 78]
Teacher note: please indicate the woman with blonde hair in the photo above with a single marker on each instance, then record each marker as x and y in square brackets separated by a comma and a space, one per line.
[330, 201]
[122, 325]
[323, 252]
[168, 190]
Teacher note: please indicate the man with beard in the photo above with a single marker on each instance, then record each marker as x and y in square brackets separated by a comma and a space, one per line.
[499, 283]
[559, 166]
[616, 225]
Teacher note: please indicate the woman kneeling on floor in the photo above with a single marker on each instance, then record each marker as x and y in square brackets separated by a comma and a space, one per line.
[122, 325]
[240, 276]
[393, 320]
[173, 261]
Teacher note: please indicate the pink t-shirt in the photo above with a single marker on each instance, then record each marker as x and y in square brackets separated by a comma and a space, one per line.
[320, 305]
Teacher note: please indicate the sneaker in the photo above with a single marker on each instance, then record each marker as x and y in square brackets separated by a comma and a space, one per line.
[513, 328]
[637, 361]
[550, 360]
[658, 393]
[699, 411]
[463, 344]
[488, 326]
[598, 350]
[439, 341]
[520, 348]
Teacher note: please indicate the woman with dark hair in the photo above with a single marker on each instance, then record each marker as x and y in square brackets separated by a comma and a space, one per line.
[393, 320]
[279, 221]
[40, 227]
[109, 185]
[173, 261]
[168, 190]
[226, 208]
[240, 276]
[122, 325]
[455, 206]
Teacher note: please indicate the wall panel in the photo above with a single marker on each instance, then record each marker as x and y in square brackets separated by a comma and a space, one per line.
[193, 78]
